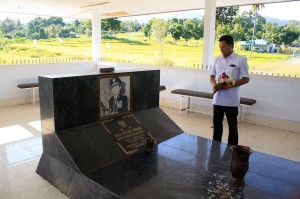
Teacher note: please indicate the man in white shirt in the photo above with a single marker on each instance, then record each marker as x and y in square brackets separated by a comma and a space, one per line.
[227, 98]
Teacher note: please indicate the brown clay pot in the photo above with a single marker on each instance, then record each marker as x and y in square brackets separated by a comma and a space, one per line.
[150, 144]
[239, 164]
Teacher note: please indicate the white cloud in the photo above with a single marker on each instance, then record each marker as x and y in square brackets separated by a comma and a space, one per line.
[286, 11]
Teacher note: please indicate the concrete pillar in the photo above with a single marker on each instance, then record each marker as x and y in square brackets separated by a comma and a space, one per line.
[209, 34]
[96, 35]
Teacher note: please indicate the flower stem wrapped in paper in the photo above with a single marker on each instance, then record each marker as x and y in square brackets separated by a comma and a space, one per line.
[224, 81]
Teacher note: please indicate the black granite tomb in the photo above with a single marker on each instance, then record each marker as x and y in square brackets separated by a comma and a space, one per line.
[78, 142]
[89, 158]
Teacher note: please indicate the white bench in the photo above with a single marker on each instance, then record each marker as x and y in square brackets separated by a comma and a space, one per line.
[32, 88]
[162, 87]
[197, 94]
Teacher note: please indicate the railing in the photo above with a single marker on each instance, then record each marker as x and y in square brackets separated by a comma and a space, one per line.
[124, 61]
[46, 61]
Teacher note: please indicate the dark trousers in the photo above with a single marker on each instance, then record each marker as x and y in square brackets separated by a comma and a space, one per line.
[231, 115]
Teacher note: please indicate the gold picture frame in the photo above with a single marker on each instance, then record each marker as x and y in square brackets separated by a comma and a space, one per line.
[115, 95]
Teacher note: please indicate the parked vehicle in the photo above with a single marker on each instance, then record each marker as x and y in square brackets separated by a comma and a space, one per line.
[296, 46]
[258, 50]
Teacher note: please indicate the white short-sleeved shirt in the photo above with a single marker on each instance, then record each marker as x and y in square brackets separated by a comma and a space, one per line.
[235, 65]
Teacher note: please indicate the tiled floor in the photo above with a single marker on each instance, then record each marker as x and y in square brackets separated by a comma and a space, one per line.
[267, 140]
[21, 147]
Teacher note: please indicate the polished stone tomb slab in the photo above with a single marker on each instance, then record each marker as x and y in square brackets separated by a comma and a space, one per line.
[77, 141]
[83, 161]
[189, 166]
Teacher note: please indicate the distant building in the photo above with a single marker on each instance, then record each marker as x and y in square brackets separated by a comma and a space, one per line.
[257, 44]
[294, 47]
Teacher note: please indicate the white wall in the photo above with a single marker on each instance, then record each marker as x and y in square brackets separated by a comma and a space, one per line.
[277, 97]
[12, 75]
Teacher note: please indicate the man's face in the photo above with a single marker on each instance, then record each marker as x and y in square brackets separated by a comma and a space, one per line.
[225, 49]
[116, 89]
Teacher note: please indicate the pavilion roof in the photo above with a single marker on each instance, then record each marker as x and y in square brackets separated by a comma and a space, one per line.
[82, 9]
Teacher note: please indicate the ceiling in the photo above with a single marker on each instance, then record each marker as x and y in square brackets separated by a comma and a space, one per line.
[82, 9]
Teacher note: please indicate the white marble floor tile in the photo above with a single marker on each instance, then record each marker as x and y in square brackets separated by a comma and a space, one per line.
[50, 192]
[26, 167]
[32, 195]
[37, 150]
[3, 162]
[10, 147]
[8, 174]
[18, 156]
[263, 139]
[31, 142]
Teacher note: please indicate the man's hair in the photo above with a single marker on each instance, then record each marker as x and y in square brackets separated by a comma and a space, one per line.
[228, 40]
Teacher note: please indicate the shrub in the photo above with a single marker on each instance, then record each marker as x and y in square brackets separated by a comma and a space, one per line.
[165, 62]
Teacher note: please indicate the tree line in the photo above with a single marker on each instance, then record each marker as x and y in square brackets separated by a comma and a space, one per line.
[228, 21]
[241, 27]
[52, 27]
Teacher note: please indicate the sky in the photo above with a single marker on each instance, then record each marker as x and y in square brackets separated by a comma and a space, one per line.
[284, 11]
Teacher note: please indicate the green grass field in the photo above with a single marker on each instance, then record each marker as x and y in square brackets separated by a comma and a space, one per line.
[132, 48]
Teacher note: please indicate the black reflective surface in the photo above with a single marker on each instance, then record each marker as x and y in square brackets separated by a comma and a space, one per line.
[73, 99]
[188, 166]
[82, 160]
[91, 147]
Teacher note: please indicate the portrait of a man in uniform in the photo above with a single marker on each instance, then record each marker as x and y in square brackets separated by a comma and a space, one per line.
[115, 95]
[118, 102]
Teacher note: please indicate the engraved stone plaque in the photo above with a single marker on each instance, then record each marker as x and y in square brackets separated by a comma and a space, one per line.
[128, 133]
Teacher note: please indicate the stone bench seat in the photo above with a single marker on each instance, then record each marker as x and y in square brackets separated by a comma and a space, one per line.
[28, 85]
[32, 88]
[197, 94]
[162, 87]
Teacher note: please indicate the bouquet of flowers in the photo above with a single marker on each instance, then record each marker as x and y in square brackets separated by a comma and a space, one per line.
[225, 80]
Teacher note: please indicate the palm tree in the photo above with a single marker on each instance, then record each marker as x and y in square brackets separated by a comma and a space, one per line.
[255, 8]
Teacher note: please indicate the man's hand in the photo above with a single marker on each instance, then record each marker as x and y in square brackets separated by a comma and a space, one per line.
[216, 87]
[224, 86]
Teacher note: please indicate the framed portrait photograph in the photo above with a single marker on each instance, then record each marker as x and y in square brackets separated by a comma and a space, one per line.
[115, 95]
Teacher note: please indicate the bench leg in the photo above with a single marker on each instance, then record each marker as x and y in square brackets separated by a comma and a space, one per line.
[32, 97]
[189, 104]
[241, 113]
[180, 106]
[29, 96]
